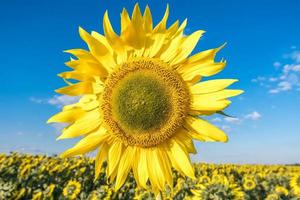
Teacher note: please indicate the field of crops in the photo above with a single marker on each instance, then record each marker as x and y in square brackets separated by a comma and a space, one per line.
[41, 177]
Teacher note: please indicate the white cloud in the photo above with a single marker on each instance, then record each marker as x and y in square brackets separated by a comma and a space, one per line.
[232, 120]
[253, 116]
[274, 91]
[259, 79]
[276, 64]
[226, 128]
[217, 119]
[62, 100]
[56, 100]
[284, 85]
[272, 79]
[285, 79]
[295, 55]
[36, 100]
[296, 68]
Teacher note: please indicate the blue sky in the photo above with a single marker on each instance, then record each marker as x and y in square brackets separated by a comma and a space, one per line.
[263, 52]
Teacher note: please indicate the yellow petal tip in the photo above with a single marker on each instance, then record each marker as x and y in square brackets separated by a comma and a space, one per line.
[60, 137]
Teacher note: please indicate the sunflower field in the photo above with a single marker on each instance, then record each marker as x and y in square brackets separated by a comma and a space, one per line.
[24, 176]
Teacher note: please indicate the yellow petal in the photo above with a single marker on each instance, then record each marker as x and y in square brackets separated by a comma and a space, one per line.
[148, 24]
[125, 20]
[81, 54]
[100, 158]
[164, 161]
[88, 67]
[219, 95]
[171, 50]
[107, 27]
[181, 159]
[143, 174]
[124, 166]
[170, 46]
[67, 116]
[114, 155]
[155, 171]
[135, 164]
[211, 86]
[173, 28]
[86, 103]
[114, 40]
[207, 104]
[77, 89]
[183, 138]
[73, 63]
[87, 144]
[203, 70]
[87, 123]
[200, 127]
[156, 43]
[75, 75]
[137, 18]
[187, 46]
[99, 50]
[205, 57]
[134, 34]
[161, 26]
[102, 39]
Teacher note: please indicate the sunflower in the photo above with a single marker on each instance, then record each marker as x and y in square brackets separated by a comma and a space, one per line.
[280, 190]
[72, 189]
[249, 184]
[37, 195]
[141, 99]
[219, 189]
[204, 179]
[295, 184]
[49, 190]
[272, 197]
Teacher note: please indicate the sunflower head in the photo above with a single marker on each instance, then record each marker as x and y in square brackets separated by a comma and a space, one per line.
[219, 189]
[142, 98]
[144, 102]
[272, 197]
[249, 184]
[72, 189]
[282, 191]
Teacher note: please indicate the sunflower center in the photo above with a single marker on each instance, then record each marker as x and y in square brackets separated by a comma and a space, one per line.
[144, 102]
[141, 102]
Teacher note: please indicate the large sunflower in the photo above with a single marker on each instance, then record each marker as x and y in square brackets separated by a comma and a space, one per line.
[141, 98]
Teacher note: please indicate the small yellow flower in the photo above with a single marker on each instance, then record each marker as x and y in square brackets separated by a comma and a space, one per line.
[204, 179]
[281, 191]
[272, 197]
[20, 194]
[25, 171]
[37, 195]
[72, 189]
[249, 184]
[49, 190]
[219, 189]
